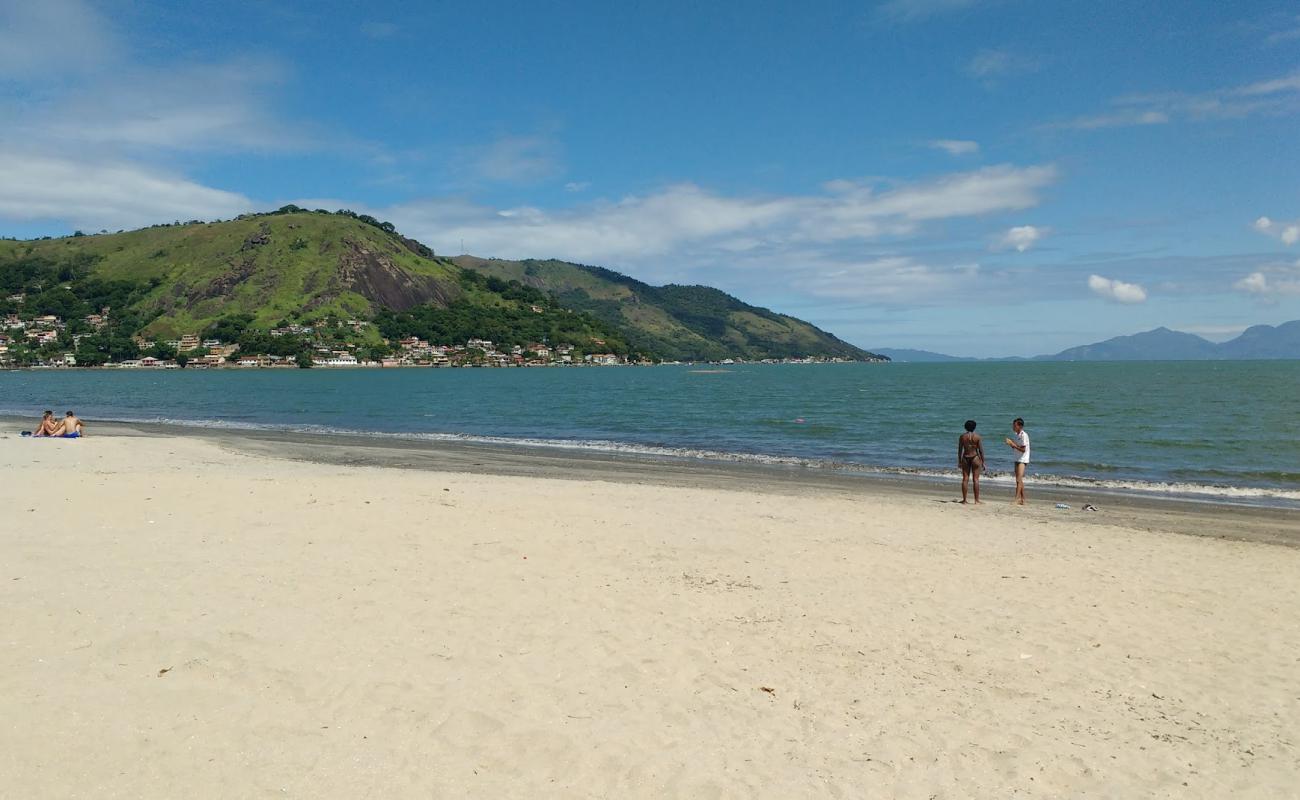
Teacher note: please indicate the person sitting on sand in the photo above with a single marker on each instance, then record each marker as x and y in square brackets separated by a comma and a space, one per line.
[1021, 445]
[48, 426]
[70, 427]
[970, 459]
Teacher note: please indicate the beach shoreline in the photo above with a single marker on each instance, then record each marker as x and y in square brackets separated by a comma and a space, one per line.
[1190, 515]
[840, 419]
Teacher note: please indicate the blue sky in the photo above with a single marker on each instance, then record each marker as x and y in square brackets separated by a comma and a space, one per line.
[979, 177]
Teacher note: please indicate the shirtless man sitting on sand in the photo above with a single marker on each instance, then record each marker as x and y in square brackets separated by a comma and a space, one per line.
[48, 426]
[70, 427]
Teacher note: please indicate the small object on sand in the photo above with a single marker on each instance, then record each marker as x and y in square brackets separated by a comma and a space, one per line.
[1066, 506]
[1089, 507]
[767, 689]
[164, 671]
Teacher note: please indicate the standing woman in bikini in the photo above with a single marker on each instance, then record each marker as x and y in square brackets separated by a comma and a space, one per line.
[970, 457]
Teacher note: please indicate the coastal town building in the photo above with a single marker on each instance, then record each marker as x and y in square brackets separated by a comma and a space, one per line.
[336, 360]
[293, 330]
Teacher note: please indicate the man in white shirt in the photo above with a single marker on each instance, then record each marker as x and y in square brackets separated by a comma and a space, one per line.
[1021, 445]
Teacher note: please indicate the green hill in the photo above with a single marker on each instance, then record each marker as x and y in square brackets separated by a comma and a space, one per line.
[293, 266]
[680, 322]
[276, 266]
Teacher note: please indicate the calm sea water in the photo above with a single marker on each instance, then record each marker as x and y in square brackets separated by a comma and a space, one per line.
[1207, 428]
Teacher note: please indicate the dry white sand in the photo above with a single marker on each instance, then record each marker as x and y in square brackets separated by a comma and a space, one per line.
[181, 620]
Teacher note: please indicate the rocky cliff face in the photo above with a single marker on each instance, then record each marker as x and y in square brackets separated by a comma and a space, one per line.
[375, 276]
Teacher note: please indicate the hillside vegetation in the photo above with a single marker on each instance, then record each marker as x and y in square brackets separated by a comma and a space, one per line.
[246, 276]
[271, 266]
[681, 322]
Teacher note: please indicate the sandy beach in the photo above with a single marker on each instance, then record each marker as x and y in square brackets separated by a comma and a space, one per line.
[216, 616]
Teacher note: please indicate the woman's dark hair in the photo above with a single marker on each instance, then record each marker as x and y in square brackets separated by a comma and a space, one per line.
[970, 426]
[48, 414]
[1019, 421]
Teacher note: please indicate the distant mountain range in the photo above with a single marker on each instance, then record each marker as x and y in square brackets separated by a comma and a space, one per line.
[1162, 344]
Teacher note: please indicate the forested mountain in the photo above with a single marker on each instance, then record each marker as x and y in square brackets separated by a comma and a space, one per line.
[297, 268]
[682, 322]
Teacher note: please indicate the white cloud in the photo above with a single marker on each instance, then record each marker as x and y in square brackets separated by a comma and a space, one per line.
[1274, 96]
[1288, 83]
[96, 195]
[514, 159]
[1022, 237]
[914, 10]
[577, 186]
[1271, 281]
[52, 37]
[189, 107]
[962, 194]
[80, 95]
[817, 244]
[87, 122]
[379, 30]
[1118, 291]
[1118, 119]
[1287, 232]
[991, 64]
[1254, 283]
[956, 147]
[686, 216]
[886, 279]
[1286, 34]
